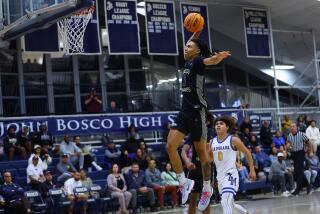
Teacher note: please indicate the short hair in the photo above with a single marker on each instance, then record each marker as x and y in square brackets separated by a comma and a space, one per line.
[204, 49]
[227, 120]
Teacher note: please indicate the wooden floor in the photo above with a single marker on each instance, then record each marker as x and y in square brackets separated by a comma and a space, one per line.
[268, 204]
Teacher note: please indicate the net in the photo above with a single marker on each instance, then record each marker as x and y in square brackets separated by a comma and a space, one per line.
[71, 30]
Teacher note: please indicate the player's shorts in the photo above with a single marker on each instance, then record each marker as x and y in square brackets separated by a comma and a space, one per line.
[192, 122]
[196, 175]
[229, 183]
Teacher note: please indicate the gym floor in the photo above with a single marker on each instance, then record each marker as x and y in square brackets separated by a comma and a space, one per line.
[268, 204]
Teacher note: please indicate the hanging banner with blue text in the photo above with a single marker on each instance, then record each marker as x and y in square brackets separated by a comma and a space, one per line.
[161, 28]
[257, 33]
[187, 8]
[122, 27]
[257, 119]
[97, 124]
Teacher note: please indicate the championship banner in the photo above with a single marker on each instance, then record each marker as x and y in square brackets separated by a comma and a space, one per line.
[96, 124]
[187, 8]
[257, 33]
[161, 28]
[256, 120]
[122, 26]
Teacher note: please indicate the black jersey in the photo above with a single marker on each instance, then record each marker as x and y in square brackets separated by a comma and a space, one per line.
[193, 84]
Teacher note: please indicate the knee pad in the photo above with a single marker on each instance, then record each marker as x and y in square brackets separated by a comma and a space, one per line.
[227, 203]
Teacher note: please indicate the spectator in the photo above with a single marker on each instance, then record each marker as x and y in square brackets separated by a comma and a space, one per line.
[112, 153]
[143, 147]
[93, 102]
[44, 159]
[278, 140]
[15, 201]
[24, 139]
[169, 177]
[88, 160]
[35, 177]
[69, 186]
[310, 175]
[75, 154]
[253, 141]
[137, 184]
[1, 150]
[246, 137]
[125, 161]
[133, 132]
[118, 188]
[12, 146]
[140, 160]
[66, 168]
[132, 143]
[262, 159]
[313, 134]
[286, 123]
[113, 107]
[313, 161]
[265, 134]
[48, 183]
[301, 123]
[297, 140]
[86, 181]
[243, 172]
[44, 138]
[273, 156]
[154, 180]
[280, 175]
[246, 124]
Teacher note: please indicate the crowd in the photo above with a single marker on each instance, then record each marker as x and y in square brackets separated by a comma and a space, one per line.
[278, 157]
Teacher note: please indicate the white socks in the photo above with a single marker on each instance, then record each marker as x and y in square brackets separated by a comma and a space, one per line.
[182, 178]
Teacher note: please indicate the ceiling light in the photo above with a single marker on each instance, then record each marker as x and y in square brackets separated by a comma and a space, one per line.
[284, 67]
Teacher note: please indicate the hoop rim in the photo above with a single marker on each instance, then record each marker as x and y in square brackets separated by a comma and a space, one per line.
[85, 11]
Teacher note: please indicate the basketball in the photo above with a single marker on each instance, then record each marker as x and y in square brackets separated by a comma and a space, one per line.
[193, 22]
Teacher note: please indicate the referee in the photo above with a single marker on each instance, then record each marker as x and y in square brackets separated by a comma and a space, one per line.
[297, 140]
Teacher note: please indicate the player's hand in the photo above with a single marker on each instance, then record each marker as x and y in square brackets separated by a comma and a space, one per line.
[222, 55]
[252, 175]
[191, 166]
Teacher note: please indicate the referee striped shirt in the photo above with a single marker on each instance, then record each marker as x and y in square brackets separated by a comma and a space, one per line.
[297, 141]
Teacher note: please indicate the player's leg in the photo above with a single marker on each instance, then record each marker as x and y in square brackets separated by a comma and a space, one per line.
[227, 202]
[239, 208]
[193, 203]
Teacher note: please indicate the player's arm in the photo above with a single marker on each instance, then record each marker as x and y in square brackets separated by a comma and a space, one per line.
[216, 58]
[186, 160]
[236, 142]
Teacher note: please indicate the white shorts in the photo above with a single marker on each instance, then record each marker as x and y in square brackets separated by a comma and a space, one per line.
[229, 183]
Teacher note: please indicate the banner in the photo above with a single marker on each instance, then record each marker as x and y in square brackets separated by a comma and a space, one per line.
[122, 26]
[257, 33]
[161, 28]
[96, 124]
[187, 8]
[256, 120]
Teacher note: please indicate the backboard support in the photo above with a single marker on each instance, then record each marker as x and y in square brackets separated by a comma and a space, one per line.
[25, 16]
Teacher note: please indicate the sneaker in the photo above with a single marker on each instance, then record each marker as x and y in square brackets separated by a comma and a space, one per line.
[185, 190]
[99, 168]
[204, 200]
[286, 194]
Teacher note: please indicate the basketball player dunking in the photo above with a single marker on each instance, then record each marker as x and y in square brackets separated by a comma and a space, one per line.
[191, 119]
[224, 148]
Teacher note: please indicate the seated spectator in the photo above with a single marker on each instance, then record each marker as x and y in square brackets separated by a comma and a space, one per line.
[113, 107]
[48, 183]
[35, 177]
[246, 124]
[118, 188]
[44, 138]
[14, 200]
[281, 176]
[140, 160]
[143, 147]
[86, 181]
[24, 139]
[125, 161]
[301, 123]
[246, 137]
[133, 140]
[313, 134]
[265, 134]
[169, 177]
[310, 175]
[112, 153]
[313, 161]
[88, 160]
[12, 146]
[69, 186]
[254, 141]
[137, 184]
[243, 171]
[273, 156]
[154, 181]
[278, 139]
[44, 159]
[66, 168]
[286, 123]
[70, 148]
[262, 159]
[93, 102]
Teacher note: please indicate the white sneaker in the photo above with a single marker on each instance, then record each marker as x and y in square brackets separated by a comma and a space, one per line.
[185, 190]
[285, 194]
[204, 200]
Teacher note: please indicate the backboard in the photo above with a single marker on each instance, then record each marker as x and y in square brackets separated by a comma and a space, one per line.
[24, 16]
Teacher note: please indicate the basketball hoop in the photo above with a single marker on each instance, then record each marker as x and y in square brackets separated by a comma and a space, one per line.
[71, 30]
